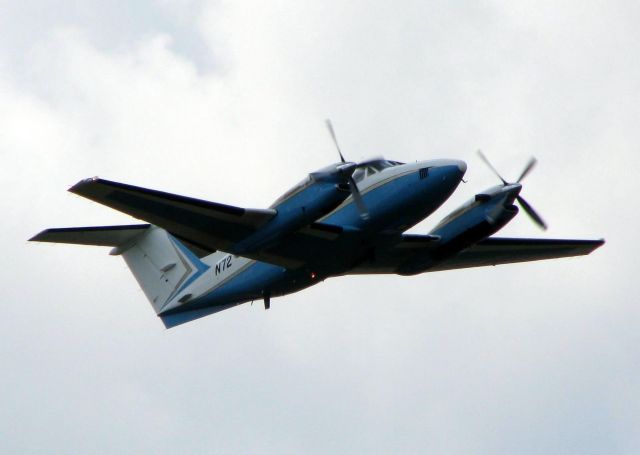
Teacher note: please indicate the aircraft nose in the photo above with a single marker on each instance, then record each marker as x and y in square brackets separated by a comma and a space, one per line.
[447, 169]
[455, 167]
[462, 166]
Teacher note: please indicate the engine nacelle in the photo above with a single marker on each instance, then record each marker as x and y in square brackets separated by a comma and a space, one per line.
[297, 208]
[469, 224]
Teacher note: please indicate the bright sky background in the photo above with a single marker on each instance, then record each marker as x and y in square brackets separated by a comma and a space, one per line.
[226, 101]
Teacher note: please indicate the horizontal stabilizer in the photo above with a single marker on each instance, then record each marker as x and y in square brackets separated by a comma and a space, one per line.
[92, 235]
[114, 236]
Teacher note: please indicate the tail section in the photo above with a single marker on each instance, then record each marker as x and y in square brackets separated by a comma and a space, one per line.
[161, 264]
[163, 267]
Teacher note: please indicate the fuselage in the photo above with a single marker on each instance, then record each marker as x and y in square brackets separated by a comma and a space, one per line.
[397, 196]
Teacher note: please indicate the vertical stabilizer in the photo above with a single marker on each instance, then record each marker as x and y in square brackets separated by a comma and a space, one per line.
[163, 266]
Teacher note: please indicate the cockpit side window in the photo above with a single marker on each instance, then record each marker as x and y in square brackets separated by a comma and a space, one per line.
[358, 175]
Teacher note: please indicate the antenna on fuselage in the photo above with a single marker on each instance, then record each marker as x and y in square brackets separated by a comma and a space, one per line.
[523, 203]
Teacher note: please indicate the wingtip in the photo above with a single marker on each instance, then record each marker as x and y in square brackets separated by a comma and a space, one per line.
[82, 183]
[36, 238]
[595, 244]
[40, 236]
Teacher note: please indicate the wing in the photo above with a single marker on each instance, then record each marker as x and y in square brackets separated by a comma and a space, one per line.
[491, 251]
[210, 225]
[497, 251]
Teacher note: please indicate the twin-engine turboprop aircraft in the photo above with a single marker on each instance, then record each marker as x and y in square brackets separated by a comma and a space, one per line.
[197, 257]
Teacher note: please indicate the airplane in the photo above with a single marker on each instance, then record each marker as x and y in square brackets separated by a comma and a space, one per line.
[193, 258]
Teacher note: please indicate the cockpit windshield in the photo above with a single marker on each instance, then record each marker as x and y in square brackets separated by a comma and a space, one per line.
[373, 167]
[368, 169]
[383, 164]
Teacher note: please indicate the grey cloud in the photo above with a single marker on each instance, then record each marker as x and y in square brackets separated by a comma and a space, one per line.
[533, 358]
[111, 26]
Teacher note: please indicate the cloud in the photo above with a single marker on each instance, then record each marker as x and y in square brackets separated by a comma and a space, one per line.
[225, 101]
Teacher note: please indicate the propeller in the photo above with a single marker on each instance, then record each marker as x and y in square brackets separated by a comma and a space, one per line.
[353, 186]
[523, 203]
[335, 140]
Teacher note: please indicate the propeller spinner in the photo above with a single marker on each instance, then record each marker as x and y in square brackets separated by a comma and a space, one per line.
[523, 203]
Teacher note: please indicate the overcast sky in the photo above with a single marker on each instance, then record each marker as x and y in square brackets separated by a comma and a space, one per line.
[225, 101]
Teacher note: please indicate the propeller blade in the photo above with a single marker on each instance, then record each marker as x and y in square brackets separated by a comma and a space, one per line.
[530, 165]
[335, 140]
[488, 163]
[346, 169]
[531, 212]
[357, 198]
